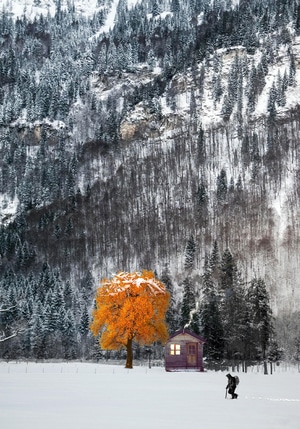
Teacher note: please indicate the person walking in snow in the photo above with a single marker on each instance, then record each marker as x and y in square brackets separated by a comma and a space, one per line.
[231, 386]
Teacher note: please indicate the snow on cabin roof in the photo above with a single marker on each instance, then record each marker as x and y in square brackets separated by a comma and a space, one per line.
[123, 281]
[186, 331]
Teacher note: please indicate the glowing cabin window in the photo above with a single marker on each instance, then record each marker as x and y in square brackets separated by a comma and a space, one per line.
[175, 349]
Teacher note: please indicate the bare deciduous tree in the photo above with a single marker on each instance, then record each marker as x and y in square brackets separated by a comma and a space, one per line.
[2, 335]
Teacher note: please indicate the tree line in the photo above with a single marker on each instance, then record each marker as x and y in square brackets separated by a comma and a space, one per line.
[45, 317]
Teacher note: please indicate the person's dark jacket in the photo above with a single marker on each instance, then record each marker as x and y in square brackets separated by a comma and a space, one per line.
[231, 386]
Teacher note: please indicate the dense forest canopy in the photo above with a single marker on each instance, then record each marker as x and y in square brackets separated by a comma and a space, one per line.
[146, 135]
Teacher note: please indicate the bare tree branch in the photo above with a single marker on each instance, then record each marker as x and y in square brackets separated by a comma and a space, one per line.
[8, 338]
[17, 329]
[4, 310]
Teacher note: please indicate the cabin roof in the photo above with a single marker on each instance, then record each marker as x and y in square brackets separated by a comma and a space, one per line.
[186, 331]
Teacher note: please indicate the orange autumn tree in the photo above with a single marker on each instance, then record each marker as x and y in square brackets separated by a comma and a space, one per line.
[130, 307]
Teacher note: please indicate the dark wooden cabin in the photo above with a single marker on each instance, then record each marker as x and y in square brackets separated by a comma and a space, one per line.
[184, 352]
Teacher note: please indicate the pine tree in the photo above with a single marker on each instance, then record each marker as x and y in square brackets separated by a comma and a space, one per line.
[210, 317]
[84, 321]
[292, 70]
[271, 107]
[37, 338]
[155, 8]
[84, 330]
[202, 204]
[252, 89]
[190, 253]
[69, 335]
[172, 313]
[228, 269]
[255, 156]
[50, 319]
[175, 6]
[261, 314]
[68, 294]
[217, 88]
[189, 311]
[87, 285]
[222, 186]
[232, 305]
[214, 262]
[201, 146]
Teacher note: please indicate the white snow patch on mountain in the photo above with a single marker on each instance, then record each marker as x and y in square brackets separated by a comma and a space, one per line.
[8, 208]
[33, 8]
[111, 17]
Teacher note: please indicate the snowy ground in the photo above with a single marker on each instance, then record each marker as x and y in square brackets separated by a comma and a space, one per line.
[80, 395]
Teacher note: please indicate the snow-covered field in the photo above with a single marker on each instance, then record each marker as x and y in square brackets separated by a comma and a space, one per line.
[81, 395]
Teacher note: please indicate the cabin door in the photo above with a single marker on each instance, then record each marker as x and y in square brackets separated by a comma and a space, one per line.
[191, 354]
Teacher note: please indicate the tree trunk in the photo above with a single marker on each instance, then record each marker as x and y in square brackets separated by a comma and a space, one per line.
[265, 362]
[129, 354]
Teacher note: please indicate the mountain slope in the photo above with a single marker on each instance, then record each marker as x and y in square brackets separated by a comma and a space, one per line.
[127, 128]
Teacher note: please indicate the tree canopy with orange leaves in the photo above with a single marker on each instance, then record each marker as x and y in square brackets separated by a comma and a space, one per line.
[130, 307]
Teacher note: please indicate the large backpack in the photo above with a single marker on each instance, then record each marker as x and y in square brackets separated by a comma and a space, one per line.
[237, 380]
